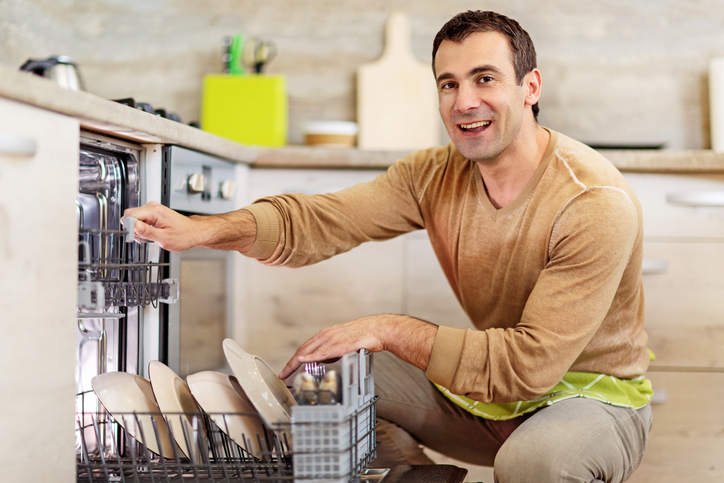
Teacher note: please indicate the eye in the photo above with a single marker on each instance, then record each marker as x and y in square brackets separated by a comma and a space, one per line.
[447, 86]
[485, 79]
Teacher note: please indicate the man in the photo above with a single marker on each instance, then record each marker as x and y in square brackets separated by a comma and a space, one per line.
[541, 241]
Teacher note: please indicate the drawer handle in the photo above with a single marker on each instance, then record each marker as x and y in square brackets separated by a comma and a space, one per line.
[16, 145]
[652, 266]
[703, 198]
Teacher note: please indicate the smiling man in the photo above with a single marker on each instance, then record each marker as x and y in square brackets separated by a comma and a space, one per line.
[540, 239]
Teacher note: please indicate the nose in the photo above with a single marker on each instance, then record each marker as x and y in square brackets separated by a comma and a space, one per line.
[467, 99]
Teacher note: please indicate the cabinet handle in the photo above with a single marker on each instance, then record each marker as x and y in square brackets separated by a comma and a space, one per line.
[652, 266]
[702, 198]
[16, 145]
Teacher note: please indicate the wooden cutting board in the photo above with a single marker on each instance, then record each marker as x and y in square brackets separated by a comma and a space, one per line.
[397, 105]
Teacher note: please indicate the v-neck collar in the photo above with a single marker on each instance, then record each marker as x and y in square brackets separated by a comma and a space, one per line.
[532, 183]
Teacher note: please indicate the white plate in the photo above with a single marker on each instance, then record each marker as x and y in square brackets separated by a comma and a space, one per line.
[269, 395]
[174, 397]
[122, 394]
[221, 396]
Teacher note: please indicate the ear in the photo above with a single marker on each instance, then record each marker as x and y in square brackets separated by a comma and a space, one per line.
[532, 83]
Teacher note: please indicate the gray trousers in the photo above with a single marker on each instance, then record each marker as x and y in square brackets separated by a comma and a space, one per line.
[575, 440]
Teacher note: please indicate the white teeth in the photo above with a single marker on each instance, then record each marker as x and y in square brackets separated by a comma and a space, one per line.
[474, 125]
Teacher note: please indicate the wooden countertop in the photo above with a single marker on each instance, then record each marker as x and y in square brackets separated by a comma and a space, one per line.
[643, 160]
[108, 117]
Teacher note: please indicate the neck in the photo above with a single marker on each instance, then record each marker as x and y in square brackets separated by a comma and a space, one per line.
[507, 175]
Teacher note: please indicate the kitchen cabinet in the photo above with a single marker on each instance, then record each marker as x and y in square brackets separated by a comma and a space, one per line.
[38, 253]
[684, 262]
[686, 442]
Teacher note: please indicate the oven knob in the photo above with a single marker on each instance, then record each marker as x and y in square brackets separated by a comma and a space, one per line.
[196, 183]
[227, 189]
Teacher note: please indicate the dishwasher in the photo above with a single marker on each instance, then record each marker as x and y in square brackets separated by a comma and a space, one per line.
[131, 299]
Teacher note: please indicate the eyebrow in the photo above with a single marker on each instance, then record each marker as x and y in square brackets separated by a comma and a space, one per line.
[474, 71]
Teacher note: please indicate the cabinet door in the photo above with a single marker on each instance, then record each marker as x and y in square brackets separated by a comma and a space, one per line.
[685, 303]
[686, 442]
[680, 205]
[38, 263]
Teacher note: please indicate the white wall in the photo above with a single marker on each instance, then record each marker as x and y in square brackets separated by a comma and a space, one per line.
[614, 71]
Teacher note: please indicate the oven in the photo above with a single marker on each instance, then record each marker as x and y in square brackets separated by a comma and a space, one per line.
[193, 329]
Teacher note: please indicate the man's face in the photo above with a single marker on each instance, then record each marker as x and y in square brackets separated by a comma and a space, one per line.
[480, 103]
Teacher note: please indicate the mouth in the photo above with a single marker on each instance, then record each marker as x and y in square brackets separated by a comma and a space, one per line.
[474, 126]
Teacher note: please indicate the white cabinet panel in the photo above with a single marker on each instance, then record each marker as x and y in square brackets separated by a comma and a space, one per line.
[678, 205]
[686, 442]
[38, 263]
[685, 304]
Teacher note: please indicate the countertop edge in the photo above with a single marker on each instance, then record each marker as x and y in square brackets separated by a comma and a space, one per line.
[105, 116]
[635, 160]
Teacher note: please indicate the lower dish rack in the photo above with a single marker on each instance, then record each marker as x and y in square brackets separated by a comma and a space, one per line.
[322, 443]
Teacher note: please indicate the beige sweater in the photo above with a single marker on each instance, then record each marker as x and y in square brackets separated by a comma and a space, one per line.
[552, 282]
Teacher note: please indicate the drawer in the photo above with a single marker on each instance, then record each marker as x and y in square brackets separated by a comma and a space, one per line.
[684, 297]
[678, 205]
[686, 442]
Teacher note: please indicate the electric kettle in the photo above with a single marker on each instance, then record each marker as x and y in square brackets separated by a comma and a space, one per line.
[60, 69]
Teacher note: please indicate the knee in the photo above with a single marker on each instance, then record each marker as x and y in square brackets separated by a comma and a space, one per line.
[518, 463]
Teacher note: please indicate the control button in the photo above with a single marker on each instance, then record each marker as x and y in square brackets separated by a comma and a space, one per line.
[227, 189]
[196, 183]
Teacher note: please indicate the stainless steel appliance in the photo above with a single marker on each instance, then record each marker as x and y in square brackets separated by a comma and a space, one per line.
[117, 277]
[193, 330]
[60, 69]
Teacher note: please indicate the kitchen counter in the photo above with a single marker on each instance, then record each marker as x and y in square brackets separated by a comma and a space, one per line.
[638, 160]
[108, 117]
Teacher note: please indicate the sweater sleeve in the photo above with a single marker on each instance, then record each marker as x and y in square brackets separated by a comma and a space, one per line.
[591, 243]
[297, 229]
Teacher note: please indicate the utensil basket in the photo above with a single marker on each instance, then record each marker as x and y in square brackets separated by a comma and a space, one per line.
[329, 443]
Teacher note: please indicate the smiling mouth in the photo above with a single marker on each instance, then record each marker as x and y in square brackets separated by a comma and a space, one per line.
[475, 126]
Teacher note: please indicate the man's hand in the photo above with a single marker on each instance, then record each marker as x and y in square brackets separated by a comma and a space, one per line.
[176, 233]
[171, 230]
[408, 338]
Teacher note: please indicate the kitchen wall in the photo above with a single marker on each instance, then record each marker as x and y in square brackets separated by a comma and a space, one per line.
[614, 71]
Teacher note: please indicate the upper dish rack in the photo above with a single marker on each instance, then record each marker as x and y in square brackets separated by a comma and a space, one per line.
[115, 271]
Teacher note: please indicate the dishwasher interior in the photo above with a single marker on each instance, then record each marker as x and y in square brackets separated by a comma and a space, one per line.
[119, 281]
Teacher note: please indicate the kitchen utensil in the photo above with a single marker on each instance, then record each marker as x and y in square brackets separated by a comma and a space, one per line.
[60, 69]
[305, 389]
[330, 389]
[232, 58]
[315, 369]
[123, 394]
[397, 107]
[262, 386]
[174, 398]
[221, 396]
[257, 53]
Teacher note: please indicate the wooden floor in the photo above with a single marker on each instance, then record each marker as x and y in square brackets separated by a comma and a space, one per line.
[686, 444]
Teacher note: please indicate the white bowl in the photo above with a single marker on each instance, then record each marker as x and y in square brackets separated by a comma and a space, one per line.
[174, 398]
[123, 394]
[269, 395]
[221, 396]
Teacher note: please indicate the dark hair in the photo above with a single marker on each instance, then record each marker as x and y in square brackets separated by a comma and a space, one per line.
[464, 24]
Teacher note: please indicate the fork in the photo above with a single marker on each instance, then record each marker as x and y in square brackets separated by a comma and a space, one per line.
[315, 369]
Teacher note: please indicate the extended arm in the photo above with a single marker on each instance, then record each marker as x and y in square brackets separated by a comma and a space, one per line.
[176, 233]
[408, 338]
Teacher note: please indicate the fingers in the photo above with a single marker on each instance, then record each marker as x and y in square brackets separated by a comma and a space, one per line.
[160, 224]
